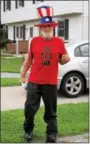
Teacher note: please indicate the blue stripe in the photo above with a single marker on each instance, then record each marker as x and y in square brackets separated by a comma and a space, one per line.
[44, 7]
[43, 20]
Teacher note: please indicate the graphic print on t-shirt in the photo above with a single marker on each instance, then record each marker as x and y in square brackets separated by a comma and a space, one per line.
[46, 56]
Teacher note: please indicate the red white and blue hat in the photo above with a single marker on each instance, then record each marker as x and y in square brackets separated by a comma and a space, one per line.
[45, 13]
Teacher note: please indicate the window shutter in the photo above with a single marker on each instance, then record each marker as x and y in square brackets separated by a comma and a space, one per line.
[31, 32]
[4, 5]
[33, 1]
[9, 4]
[22, 3]
[21, 32]
[24, 32]
[66, 29]
[13, 32]
[7, 31]
[17, 32]
[16, 4]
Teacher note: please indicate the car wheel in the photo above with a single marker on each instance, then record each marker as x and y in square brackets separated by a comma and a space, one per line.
[73, 85]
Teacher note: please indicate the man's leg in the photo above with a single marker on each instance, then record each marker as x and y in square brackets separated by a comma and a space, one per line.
[49, 95]
[31, 106]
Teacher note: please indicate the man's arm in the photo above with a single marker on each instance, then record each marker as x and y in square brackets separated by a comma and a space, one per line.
[26, 66]
[64, 57]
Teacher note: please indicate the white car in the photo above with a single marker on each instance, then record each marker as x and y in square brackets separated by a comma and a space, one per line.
[73, 77]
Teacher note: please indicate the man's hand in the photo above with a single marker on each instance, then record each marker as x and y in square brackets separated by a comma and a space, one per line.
[64, 59]
[22, 79]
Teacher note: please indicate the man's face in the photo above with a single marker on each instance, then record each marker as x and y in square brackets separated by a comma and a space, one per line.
[47, 29]
[47, 32]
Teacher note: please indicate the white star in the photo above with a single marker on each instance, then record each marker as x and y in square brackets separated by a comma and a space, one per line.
[47, 19]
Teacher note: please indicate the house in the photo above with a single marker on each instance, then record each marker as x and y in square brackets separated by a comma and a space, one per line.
[19, 17]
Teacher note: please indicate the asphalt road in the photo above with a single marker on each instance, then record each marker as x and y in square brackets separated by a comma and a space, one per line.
[14, 98]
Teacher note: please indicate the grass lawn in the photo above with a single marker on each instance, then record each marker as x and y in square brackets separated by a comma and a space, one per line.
[72, 119]
[11, 65]
[10, 82]
[6, 55]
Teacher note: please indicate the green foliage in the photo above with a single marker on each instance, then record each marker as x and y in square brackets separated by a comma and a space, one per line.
[3, 38]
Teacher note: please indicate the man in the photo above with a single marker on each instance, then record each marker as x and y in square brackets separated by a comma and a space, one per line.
[45, 53]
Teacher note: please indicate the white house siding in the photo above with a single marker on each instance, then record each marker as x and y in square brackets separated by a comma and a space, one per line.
[75, 27]
[75, 11]
[29, 10]
[85, 20]
[85, 8]
[85, 28]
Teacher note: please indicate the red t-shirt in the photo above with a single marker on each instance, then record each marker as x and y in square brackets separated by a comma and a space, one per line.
[45, 54]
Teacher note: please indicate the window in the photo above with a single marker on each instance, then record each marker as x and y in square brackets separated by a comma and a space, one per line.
[16, 4]
[34, 1]
[21, 32]
[40, 0]
[6, 5]
[17, 32]
[77, 52]
[31, 32]
[82, 51]
[19, 3]
[63, 29]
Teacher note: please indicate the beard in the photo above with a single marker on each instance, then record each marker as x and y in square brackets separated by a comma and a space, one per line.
[47, 35]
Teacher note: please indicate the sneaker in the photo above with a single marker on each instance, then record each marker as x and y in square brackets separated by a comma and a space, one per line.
[50, 141]
[51, 138]
[28, 137]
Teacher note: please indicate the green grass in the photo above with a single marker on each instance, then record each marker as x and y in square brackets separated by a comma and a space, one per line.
[6, 55]
[11, 65]
[72, 120]
[10, 82]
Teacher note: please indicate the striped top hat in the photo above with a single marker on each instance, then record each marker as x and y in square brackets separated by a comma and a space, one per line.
[45, 13]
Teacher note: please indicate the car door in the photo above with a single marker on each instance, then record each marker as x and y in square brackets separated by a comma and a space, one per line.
[82, 52]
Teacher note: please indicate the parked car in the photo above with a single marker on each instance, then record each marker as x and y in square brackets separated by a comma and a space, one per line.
[73, 77]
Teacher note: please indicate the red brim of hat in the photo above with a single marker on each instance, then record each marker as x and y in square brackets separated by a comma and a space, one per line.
[53, 24]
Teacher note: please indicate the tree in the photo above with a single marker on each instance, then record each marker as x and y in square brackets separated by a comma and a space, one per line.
[3, 38]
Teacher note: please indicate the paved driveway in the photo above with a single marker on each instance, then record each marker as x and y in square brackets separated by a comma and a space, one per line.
[14, 98]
